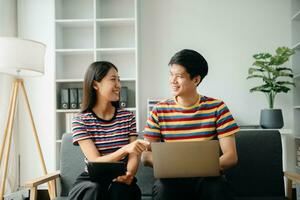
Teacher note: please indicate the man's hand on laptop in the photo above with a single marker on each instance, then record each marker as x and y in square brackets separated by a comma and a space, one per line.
[137, 147]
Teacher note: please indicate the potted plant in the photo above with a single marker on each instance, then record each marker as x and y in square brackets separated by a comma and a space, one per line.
[276, 79]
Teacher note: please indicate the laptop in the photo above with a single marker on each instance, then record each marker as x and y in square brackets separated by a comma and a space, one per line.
[105, 171]
[186, 159]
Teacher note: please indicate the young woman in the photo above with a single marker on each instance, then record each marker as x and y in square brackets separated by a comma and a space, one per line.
[106, 133]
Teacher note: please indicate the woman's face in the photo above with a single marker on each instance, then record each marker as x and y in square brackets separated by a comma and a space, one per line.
[109, 87]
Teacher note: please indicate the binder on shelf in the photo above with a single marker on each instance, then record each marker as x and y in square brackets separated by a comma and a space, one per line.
[64, 98]
[123, 97]
[80, 96]
[150, 104]
[73, 98]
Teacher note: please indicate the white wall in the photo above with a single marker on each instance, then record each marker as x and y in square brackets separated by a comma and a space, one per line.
[227, 34]
[8, 28]
[36, 22]
[8, 18]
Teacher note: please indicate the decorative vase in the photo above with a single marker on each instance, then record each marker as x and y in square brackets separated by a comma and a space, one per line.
[271, 118]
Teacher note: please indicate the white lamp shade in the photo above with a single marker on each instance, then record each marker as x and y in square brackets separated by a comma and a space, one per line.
[20, 57]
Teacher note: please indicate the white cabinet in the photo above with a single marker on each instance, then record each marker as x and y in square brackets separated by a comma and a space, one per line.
[295, 22]
[88, 31]
[74, 9]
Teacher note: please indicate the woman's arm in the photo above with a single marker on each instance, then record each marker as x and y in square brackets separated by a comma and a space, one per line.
[132, 166]
[133, 160]
[92, 154]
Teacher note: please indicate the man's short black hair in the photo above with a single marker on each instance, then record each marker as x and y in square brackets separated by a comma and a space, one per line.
[193, 62]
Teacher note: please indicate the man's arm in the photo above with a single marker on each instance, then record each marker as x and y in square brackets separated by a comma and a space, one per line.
[152, 134]
[229, 157]
[147, 158]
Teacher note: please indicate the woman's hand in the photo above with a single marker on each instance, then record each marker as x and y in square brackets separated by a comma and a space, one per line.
[127, 178]
[136, 147]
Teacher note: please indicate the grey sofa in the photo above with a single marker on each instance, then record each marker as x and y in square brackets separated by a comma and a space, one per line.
[258, 174]
[72, 164]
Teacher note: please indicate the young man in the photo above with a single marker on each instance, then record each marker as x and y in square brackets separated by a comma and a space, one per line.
[189, 116]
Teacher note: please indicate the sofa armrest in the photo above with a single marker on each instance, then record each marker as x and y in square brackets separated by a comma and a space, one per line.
[292, 176]
[43, 179]
[51, 178]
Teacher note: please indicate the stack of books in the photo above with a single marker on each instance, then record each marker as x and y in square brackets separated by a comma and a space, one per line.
[68, 121]
[298, 156]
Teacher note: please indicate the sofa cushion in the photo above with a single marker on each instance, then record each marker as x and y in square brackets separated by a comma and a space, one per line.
[145, 179]
[61, 198]
[261, 198]
[146, 197]
[259, 169]
[71, 164]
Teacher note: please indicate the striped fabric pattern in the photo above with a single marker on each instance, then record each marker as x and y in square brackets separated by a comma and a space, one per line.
[108, 135]
[208, 118]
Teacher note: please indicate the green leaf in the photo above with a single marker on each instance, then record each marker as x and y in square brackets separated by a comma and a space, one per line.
[261, 88]
[278, 60]
[281, 89]
[256, 76]
[252, 70]
[284, 68]
[285, 74]
[286, 83]
[269, 68]
[285, 51]
[259, 63]
[262, 56]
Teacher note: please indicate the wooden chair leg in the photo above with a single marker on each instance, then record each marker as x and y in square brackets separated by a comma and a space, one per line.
[289, 189]
[53, 186]
[33, 193]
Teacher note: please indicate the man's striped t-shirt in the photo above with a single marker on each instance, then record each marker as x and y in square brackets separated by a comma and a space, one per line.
[207, 119]
[108, 135]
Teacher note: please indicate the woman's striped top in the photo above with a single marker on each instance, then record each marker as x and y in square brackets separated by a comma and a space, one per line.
[108, 135]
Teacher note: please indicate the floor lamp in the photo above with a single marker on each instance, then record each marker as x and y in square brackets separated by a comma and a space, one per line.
[19, 58]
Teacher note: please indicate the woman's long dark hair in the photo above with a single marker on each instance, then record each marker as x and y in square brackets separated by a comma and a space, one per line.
[96, 72]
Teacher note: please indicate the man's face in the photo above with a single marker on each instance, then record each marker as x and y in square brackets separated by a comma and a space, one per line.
[180, 81]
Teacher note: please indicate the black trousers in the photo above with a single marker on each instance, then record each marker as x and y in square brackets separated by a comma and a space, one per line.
[85, 189]
[209, 188]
